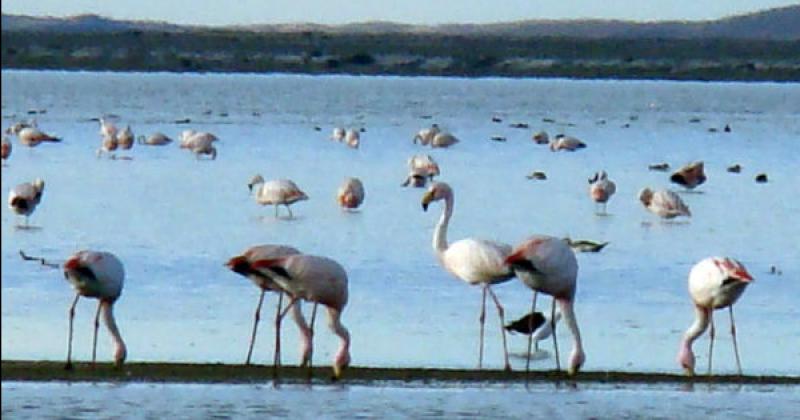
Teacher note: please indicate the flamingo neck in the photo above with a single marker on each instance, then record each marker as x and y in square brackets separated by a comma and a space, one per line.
[305, 333]
[342, 358]
[121, 351]
[577, 357]
[440, 232]
[698, 327]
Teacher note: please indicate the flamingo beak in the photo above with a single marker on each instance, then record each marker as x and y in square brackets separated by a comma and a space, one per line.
[426, 200]
[743, 275]
[72, 264]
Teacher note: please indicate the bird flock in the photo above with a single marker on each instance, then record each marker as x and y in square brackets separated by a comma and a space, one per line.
[544, 264]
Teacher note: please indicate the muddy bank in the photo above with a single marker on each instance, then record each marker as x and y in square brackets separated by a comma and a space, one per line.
[225, 373]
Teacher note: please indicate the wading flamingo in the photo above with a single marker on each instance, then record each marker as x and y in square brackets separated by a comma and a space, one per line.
[601, 189]
[664, 203]
[279, 191]
[319, 280]
[548, 265]
[24, 198]
[97, 275]
[155, 139]
[426, 135]
[125, 138]
[714, 283]
[350, 194]
[443, 139]
[475, 261]
[353, 138]
[338, 134]
[568, 143]
[421, 169]
[199, 143]
[108, 145]
[31, 136]
[690, 175]
[242, 264]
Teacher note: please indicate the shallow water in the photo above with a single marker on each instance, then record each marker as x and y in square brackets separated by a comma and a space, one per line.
[174, 220]
[103, 400]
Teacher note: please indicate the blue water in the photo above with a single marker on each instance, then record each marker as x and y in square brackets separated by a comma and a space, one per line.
[174, 220]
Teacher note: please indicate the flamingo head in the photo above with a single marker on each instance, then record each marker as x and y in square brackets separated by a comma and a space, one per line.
[239, 264]
[686, 359]
[120, 354]
[576, 361]
[735, 270]
[73, 263]
[437, 191]
[38, 184]
[257, 179]
[645, 196]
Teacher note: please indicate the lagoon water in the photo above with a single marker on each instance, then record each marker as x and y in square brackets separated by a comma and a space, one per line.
[174, 220]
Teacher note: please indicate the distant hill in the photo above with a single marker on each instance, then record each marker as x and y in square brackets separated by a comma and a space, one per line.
[773, 24]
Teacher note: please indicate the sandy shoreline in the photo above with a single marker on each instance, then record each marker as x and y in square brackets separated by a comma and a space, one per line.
[19, 370]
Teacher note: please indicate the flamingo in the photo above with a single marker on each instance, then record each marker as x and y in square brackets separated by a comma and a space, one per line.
[601, 189]
[443, 139]
[242, 264]
[351, 193]
[24, 198]
[200, 143]
[319, 280]
[421, 168]
[17, 127]
[338, 134]
[664, 203]
[548, 265]
[475, 261]
[125, 138]
[6, 149]
[568, 143]
[107, 128]
[97, 275]
[155, 139]
[353, 138]
[541, 137]
[534, 324]
[426, 135]
[108, 145]
[279, 191]
[689, 176]
[31, 136]
[714, 283]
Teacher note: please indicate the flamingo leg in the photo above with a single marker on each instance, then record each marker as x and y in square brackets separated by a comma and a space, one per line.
[291, 216]
[711, 341]
[276, 211]
[553, 328]
[311, 339]
[68, 365]
[501, 314]
[282, 314]
[94, 338]
[255, 327]
[276, 361]
[530, 337]
[481, 319]
[735, 346]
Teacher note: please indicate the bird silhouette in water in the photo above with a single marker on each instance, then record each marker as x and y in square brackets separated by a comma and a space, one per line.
[527, 324]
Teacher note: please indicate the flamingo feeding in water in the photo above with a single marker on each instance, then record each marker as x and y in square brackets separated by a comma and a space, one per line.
[443, 139]
[319, 280]
[426, 135]
[155, 139]
[475, 261]
[664, 203]
[350, 194]
[125, 138]
[548, 265]
[421, 169]
[24, 198]
[200, 143]
[242, 264]
[601, 189]
[279, 191]
[690, 175]
[98, 275]
[714, 283]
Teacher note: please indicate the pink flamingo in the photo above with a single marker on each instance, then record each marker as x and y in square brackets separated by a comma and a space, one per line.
[601, 189]
[97, 275]
[714, 283]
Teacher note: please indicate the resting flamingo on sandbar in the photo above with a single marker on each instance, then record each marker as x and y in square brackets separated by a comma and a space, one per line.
[242, 264]
[548, 265]
[474, 261]
[714, 283]
[601, 189]
[320, 280]
[275, 192]
[155, 139]
[98, 275]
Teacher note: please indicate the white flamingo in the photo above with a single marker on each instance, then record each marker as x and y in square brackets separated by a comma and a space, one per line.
[200, 143]
[426, 135]
[475, 261]
[98, 275]
[443, 139]
[242, 264]
[319, 280]
[338, 134]
[664, 203]
[125, 138]
[714, 283]
[350, 194]
[548, 265]
[155, 139]
[24, 198]
[107, 128]
[421, 169]
[601, 189]
[275, 192]
[31, 136]
[568, 143]
[108, 145]
[353, 138]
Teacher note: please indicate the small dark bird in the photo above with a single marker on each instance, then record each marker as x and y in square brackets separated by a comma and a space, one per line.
[762, 178]
[527, 324]
[497, 119]
[519, 125]
[539, 175]
[735, 169]
[727, 128]
[583, 245]
[659, 166]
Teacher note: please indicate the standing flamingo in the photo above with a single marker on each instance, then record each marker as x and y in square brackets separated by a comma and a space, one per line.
[155, 139]
[125, 138]
[320, 280]
[97, 275]
[200, 143]
[475, 261]
[31, 136]
[714, 283]
[279, 191]
[242, 264]
[601, 189]
[24, 198]
[338, 134]
[548, 265]
[664, 203]
[350, 194]
[352, 138]
[421, 169]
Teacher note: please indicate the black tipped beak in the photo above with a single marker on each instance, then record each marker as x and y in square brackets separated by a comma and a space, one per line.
[425, 206]
[250, 187]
